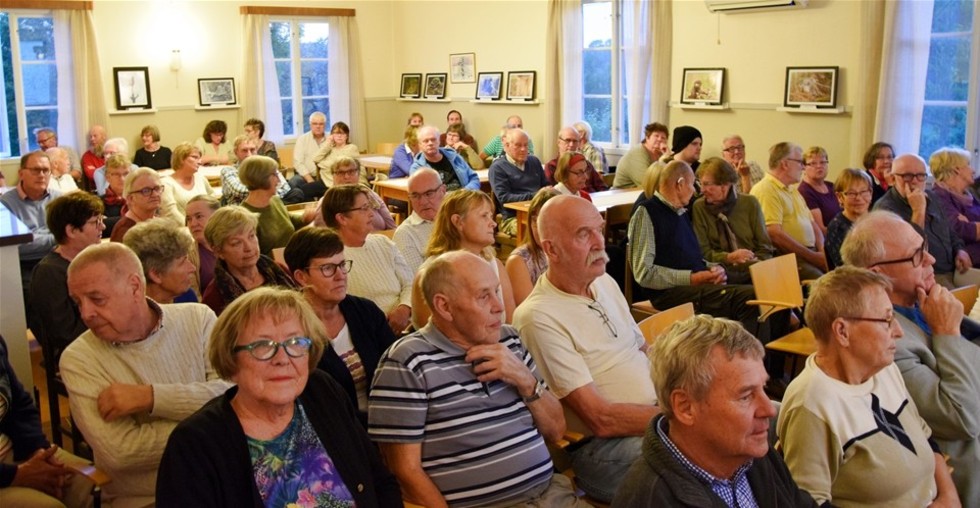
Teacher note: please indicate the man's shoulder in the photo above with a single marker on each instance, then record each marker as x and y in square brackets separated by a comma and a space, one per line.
[187, 315]
[82, 350]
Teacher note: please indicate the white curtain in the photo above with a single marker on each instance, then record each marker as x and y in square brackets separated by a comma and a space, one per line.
[346, 85]
[562, 91]
[872, 21]
[904, 61]
[259, 91]
[81, 93]
[661, 19]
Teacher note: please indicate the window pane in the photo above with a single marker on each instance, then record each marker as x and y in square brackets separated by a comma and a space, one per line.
[280, 39]
[948, 77]
[313, 40]
[36, 37]
[37, 118]
[598, 112]
[312, 105]
[287, 117]
[942, 126]
[952, 15]
[314, 78]
[597, 72]
[40, 85]
[597, 24]
[284, 71]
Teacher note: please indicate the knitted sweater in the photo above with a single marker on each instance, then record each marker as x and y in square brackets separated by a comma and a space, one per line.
[379, 273]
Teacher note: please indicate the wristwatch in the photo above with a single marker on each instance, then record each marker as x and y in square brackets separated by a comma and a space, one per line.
[538, 391]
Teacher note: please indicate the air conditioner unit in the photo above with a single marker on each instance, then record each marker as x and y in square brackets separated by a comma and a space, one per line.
[735, 6]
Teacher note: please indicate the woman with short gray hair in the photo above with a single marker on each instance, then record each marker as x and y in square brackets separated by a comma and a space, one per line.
[954, 178]
[276, 225]
[164, 250]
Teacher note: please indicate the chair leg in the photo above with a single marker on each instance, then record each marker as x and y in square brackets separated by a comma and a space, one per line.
[96, 497]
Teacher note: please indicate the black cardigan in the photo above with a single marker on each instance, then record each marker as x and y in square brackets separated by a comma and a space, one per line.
[370, 335]
[206, 462]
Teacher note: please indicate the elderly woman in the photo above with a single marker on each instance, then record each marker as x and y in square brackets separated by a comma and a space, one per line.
[75, 221]
[117, 167]
[817, 192]
[401, 160]
[152, 155]
[142, 192]
[212, 146]
[528, 262]
[165, 251]
[454, 118]
[593, 153]
[954, 177]
[241, 267]
[260, 175]
[853, 189]
[347, 171]
[878, 163]
[572, 175]
[850, 433]
[454, 139]
[382, 276]
[199, 209]
[285, 435]
[255, 130]
[465, 222]
[335, 147]
[730, 226]
[355, 327]
[185, 182]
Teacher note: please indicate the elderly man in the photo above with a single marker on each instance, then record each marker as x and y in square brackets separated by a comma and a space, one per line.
[909, 199]
[939, 352]
[515, 177]
[306, 148]
[788, 220]
[111, 147]
[578, 327]
[93, 158]
[593, 153]
[61, 178]
[137, 371]
[710, 446]
[458, 408]
[667, 260]
[632, 167]
[233, 191]
[569, 141]
[28, 201]
[47, 139]
[495, 148]
[749, 173]
[452, 168]
[425, 192]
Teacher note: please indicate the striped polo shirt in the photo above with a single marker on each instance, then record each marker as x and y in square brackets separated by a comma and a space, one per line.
[479, 442]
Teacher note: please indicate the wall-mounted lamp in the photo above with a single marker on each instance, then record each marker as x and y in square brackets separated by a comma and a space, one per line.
[175, 60]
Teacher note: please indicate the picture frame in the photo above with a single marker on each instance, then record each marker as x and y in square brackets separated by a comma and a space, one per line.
[132, 85]
[411, 86]
[811, 87]
[435, 85]
[216, 91]
[520, 85]
[703, 86]
[488, 85]
[462, 67]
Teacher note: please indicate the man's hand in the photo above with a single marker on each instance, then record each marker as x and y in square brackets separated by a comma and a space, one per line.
[120, 400]
[740, 256]
[713, 275]
[42, 472]
[941, 310]
[398, 318]
[494, 362]
[963, 261]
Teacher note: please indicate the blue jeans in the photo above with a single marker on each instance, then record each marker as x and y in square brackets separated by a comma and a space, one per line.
[601, 464]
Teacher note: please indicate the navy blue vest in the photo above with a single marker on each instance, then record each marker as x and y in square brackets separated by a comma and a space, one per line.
[677, 245]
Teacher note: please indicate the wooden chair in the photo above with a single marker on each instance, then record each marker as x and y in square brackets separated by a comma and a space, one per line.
[777, 285]
[60, 425]
[654, 325]
[285, 157]
[967, 295]
[95, 475]
[799, 344]
[386, 149]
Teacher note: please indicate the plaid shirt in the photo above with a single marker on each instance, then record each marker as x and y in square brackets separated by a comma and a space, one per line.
[735, 492]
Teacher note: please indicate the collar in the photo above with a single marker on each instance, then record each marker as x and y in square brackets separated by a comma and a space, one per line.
[23, 195]
[663, 199]
[662, 426]
[776, 181]
[158, 312]
[416, 219]
[514, 162]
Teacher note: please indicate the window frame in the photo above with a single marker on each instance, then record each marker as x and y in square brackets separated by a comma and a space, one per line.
[300, 120]
[618, 133]
[23, 132]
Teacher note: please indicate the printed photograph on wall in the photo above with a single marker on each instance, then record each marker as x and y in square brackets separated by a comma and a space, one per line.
[703, 86]
[488, 85]
[411, 86]
[520, 85]
[435, 85]
[462, 67]
[132, 87]
[811, 86]
[216, 91]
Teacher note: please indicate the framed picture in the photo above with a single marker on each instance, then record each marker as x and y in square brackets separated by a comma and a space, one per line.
[435, 85]
[462, 67]
[411, 86]
[811, 86]
[703, 86]
[488, 85]
[132, 87]
[216, 91]
[520, 85]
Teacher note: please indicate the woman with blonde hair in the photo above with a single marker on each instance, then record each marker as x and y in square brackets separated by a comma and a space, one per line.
[185, 182]
[528, 262]
[405, 153]
[465, 222]
[954, 177]
[854, 190]
[816, 190]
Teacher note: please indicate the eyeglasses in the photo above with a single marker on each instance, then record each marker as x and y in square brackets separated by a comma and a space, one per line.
[736, 148]
[45, 140]
[39, 171]
[889, 321]
[910, 177]
[578, 173]
[368, 207]
[799, 161]
[857, 194]
[346, 172]
[265, 350]
[329, 269]
[916, 257]
[597, 307]
[149, 191]
[818, 163]
[885, 158]
[97, 220]
[427, 195]
[568, 140]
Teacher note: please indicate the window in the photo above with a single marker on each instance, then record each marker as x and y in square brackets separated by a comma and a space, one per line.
[299, 51]
[949, 109]
[30, 79]
[604, 72]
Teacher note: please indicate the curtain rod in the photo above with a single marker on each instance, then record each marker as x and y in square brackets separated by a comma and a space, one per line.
[295, 11]
[65, 5]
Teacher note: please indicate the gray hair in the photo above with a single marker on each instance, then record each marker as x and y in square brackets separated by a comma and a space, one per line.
[228, 221]
[864, 244]
[839, 293]
[583, 126]
[779, 152]
[159, 243]
[120, 143]
[136, 174]
[318, 114]
[117, 257]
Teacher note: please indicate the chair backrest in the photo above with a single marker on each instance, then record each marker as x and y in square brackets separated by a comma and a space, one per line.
[285, 157]
[778, 280]
[967, 295]
[654, 325]
[386, 149]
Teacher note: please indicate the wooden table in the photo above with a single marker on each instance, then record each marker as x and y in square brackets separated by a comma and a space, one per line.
[618, 201]
[375, 162]
[397, 188]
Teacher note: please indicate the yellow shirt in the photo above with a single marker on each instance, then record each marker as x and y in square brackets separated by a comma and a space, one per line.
[785, 206]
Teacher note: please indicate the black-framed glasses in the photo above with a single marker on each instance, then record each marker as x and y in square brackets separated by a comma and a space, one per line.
[800, 161]
[427, 195]
[910, 177]
[264, 350]
[568, 140]
[38, 171]
[98, 220]
[857, 194]
[736, 148]
[367, 207]
[916, 257]
[889, 321]
[346, 172]
[329, 269]
[149, 191]
[597, 307]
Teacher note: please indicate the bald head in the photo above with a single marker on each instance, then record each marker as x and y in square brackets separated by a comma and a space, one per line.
[117, 256]
[426, 192]
[461, 290]
[910, 173]
[572, 236]
[515, 121]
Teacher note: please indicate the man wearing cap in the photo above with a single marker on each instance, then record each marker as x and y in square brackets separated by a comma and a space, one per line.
[570, 141]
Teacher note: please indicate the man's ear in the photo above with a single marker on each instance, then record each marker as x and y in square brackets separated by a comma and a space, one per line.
[683, 407]
[440, 306]
[549, 249]
[841, 333]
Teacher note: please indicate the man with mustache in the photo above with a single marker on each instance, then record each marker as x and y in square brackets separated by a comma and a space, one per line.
[578, 327]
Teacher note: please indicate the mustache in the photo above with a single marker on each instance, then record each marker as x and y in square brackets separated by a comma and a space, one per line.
[597, 255]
